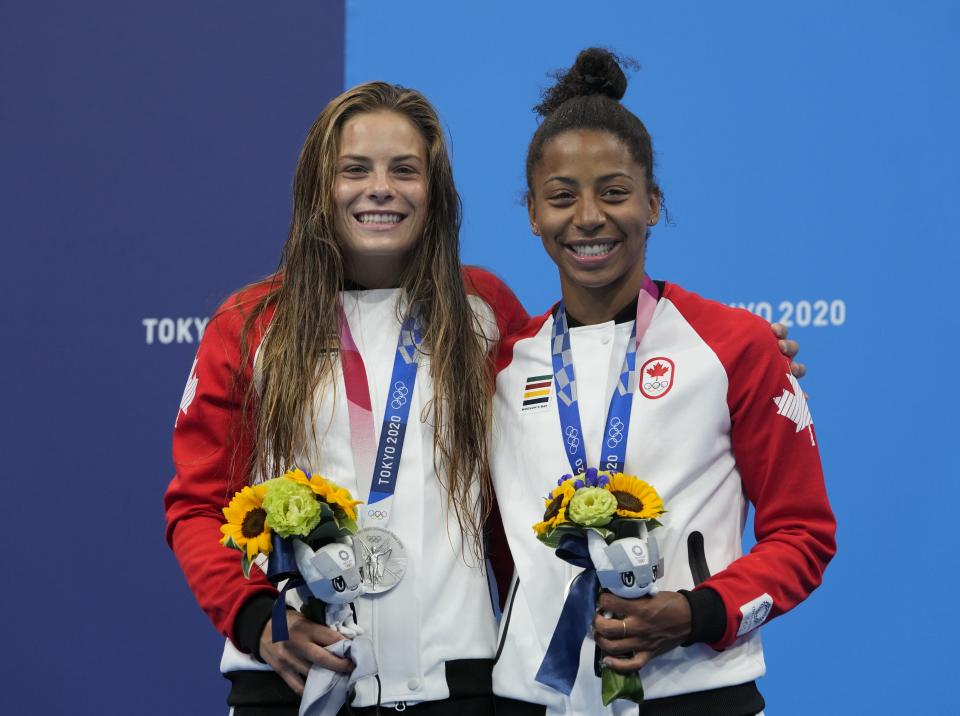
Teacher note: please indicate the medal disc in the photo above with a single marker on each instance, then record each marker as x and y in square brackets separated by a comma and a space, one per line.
[381, 557]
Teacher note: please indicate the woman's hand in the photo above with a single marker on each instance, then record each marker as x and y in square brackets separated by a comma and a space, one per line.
[640, 628]
[789, 349]
[293, 658]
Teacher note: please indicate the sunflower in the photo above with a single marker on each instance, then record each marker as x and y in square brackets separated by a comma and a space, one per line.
[327, 491]
[635, 498]
[556, 504]
[247, 527]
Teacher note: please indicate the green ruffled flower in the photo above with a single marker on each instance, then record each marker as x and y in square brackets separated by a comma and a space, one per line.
[591, 507]
[292, 508]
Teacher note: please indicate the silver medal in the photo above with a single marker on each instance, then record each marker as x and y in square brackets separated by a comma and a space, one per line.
[381, 557]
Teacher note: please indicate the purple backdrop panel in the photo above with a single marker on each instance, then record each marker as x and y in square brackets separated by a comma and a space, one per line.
[147, 155]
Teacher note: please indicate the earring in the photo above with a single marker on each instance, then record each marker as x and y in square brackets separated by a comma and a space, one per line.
[535, 229]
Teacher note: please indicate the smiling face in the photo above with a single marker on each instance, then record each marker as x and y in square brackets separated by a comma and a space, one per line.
[590, 205]
[380, 195]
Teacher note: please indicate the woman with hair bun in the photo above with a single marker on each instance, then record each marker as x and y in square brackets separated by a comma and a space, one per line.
[715, 419]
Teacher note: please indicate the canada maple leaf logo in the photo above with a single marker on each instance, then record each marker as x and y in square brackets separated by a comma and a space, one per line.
[657, 370]
[189, 392]
[657, 376]
[793, 406]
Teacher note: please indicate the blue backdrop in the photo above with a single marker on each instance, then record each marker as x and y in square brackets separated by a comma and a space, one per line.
[808, 155]
[147, 151]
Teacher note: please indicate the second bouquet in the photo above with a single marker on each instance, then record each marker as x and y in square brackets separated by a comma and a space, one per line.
[298, 527]
[600, 521]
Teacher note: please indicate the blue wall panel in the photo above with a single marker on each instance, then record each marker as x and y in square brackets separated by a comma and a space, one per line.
[808, 153]
[147, 151]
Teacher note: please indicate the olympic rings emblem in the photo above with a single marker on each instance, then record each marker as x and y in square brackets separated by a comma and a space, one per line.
[378, 514]
[400, 392]
[573, 438]
[615, 433]
[657, 385]
[343, 555]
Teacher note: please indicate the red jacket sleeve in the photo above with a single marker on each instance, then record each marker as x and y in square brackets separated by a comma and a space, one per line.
[210, 455]
[775, 448]
[507, 309]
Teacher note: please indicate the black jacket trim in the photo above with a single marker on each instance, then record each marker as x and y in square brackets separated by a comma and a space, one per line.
[266, 710]
[740, 700]
[469, 677]
[466, 678]
[248, 626]
[708, 616]
[697, 558]
[259, 688]
[506, 619]
[510, 707]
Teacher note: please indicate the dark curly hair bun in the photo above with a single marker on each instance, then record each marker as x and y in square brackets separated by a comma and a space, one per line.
[595, 72]
[587, 96]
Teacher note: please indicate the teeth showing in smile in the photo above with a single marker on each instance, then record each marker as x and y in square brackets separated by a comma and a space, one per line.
[379, 218]
[592, 249]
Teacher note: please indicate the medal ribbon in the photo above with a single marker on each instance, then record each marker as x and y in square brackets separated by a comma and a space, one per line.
[561, 662]
[384, 469]
[614, 448]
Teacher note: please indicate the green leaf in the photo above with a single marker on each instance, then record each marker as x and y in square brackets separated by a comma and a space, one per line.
[245, 564]
[552, 538]
[620, 686]
[602, 531]
[347, 526]
[231, 544]
[326, 512]
[324, 533]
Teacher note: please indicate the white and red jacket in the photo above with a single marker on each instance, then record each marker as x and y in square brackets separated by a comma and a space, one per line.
[439, 617]
[717, 421]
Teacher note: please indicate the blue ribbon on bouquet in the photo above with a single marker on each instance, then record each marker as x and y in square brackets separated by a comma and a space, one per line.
[560, 665]
[282, 565]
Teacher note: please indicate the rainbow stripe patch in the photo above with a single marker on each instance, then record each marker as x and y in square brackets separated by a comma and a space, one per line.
[536, 391]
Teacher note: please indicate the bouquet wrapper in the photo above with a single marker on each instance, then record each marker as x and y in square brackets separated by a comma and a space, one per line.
[325, 691]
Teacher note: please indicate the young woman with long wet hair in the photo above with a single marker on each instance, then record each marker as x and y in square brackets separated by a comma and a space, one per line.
[373, 239]
[715, 419]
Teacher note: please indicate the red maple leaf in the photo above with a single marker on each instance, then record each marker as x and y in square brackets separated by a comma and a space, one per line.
[657, 370]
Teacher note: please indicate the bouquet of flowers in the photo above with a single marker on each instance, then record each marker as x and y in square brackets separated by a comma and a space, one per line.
[600, 521]
[303, 524]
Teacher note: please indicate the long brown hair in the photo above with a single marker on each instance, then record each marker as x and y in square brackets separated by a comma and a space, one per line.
[298, 354]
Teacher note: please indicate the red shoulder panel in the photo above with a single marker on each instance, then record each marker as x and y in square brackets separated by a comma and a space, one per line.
[509, 312]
